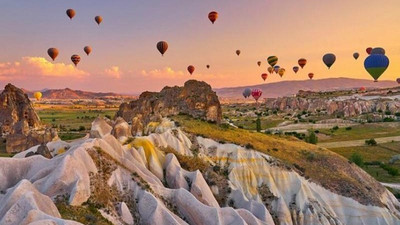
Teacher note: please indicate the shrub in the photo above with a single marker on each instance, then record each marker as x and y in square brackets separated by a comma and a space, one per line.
[82, 128]
[388, 113]
[258, 124]
[335, 128]
[371, 142]
[388, 119]
[357, 159]
[312, 138]
[349, 128]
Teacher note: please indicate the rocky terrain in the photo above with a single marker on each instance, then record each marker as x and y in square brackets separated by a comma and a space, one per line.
[343, 105]
[19, 123]
[195, 98]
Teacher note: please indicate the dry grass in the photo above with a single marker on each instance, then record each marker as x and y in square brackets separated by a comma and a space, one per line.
[326, 168]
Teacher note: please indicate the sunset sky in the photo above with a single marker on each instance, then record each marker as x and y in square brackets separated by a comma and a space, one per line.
[125, 58]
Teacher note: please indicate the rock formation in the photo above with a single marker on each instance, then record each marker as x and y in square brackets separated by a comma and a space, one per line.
[195, 98]
[19, 123]
[142, 182]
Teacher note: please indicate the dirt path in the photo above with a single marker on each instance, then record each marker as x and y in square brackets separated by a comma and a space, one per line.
[354, 143]
[394, 186]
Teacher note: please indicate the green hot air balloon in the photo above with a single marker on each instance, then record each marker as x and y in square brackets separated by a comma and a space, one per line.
[376, 65]
[329, 59]
[272, 60]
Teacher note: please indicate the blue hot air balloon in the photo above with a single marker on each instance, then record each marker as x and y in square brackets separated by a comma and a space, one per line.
[247, 92]
[376, 65]
[276, 69]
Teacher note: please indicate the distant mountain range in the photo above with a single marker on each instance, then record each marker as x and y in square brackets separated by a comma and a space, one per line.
[288, 88]
[68, 93]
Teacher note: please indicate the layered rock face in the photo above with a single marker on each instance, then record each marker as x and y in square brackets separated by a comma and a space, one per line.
[142, 182]
[19, 123]
[195, 98]
[347, 108]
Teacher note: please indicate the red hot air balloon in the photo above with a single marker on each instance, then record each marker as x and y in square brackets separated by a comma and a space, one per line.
[87, 50]
[98, 19]
[256, 93]
[75, 59]
[191, 69]
[302, 62]
[311, 76]
[213, 16]
[369, 50]
[362, 89]
[264, 76]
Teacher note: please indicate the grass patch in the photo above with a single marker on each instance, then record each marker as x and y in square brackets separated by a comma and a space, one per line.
[86, 214]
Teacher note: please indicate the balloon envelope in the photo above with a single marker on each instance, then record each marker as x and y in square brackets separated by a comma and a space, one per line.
[256, 93]
[276, 69]
[329, 59]
[264, 76]
[213, 16]
[281, 72]
[75, 59]
[296, 69]
[98, 19]
[376, 65]
[238, 52]
[272, 60]
[191, 69]
[379, 51]
[356, 55]
[247, 92]
[270, 70]
[302, 62]
[87, 50]
[259, 63]
[368, 50]
[311, 76]
[208, 66]
[398, 80]
[162, 47]
[53, 53]
[70, 13]
[37, 95]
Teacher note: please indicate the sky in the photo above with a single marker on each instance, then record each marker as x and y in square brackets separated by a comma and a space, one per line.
[125, 58]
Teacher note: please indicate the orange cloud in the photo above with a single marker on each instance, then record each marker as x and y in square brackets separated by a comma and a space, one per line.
[41, 67]
[114, 72]
[166, 73]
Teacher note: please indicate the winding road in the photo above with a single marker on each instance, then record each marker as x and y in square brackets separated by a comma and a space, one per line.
[355, 143]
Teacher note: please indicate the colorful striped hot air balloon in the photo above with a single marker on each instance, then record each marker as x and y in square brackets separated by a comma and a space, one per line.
[75, 59]
[329, 59]
[256, 93]
[276, 69]
[376, 65]
[162, 47]
[247, 92]
[272, 60]
[356, 55]
[296, 69]
[264, 76]
[302, 62]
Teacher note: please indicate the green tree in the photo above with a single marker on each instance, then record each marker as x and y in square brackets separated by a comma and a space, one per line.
[258, 124]
[312, 138]
[357, 159]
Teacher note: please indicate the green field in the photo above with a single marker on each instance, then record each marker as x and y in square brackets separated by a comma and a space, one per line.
[362, 131]
[382, 153]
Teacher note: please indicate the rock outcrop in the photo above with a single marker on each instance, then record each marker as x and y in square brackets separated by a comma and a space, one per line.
[195, 98]
[19, 123]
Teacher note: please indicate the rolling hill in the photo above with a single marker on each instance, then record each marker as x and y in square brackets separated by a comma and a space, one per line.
[68, 93]
[287, 88]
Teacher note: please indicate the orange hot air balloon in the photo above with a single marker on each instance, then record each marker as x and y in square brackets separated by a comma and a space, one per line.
[270, 70]
[38, 95]
[162, 47]
[71, 13]
[87, 50]
[208, 66]
[369, 50]
[213, 16]
[238, 52]
[302, 62]
[281, 72]
[191, 69]
[75, 59]
[259, 63]
[311, 76]
[98, 19]
[53, 53]
[264, 76]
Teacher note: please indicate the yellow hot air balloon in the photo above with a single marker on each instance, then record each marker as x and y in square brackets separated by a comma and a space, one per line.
[281, 72]
[37, 95]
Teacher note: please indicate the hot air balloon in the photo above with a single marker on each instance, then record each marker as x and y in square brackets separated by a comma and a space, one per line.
[71, 13]
[272, 60]
[87, 50]
[296, 69]
[247, 92]
[37, 95]
[75, 59]
[302, 62]
[362, 89]
[162, 47]
[356, 55]
[238, 52]
[213, 16]
[276, 69]
[264, 76]
[98, 19]
[191, 69]
[398, 80]
[256, 93]
[270, 70]
[208, 66]
[53, 53]
[259, 63]
[281, 72]
[379, 51]
[311, 76]
[329, 59]
[368, 50]
[376, 65]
